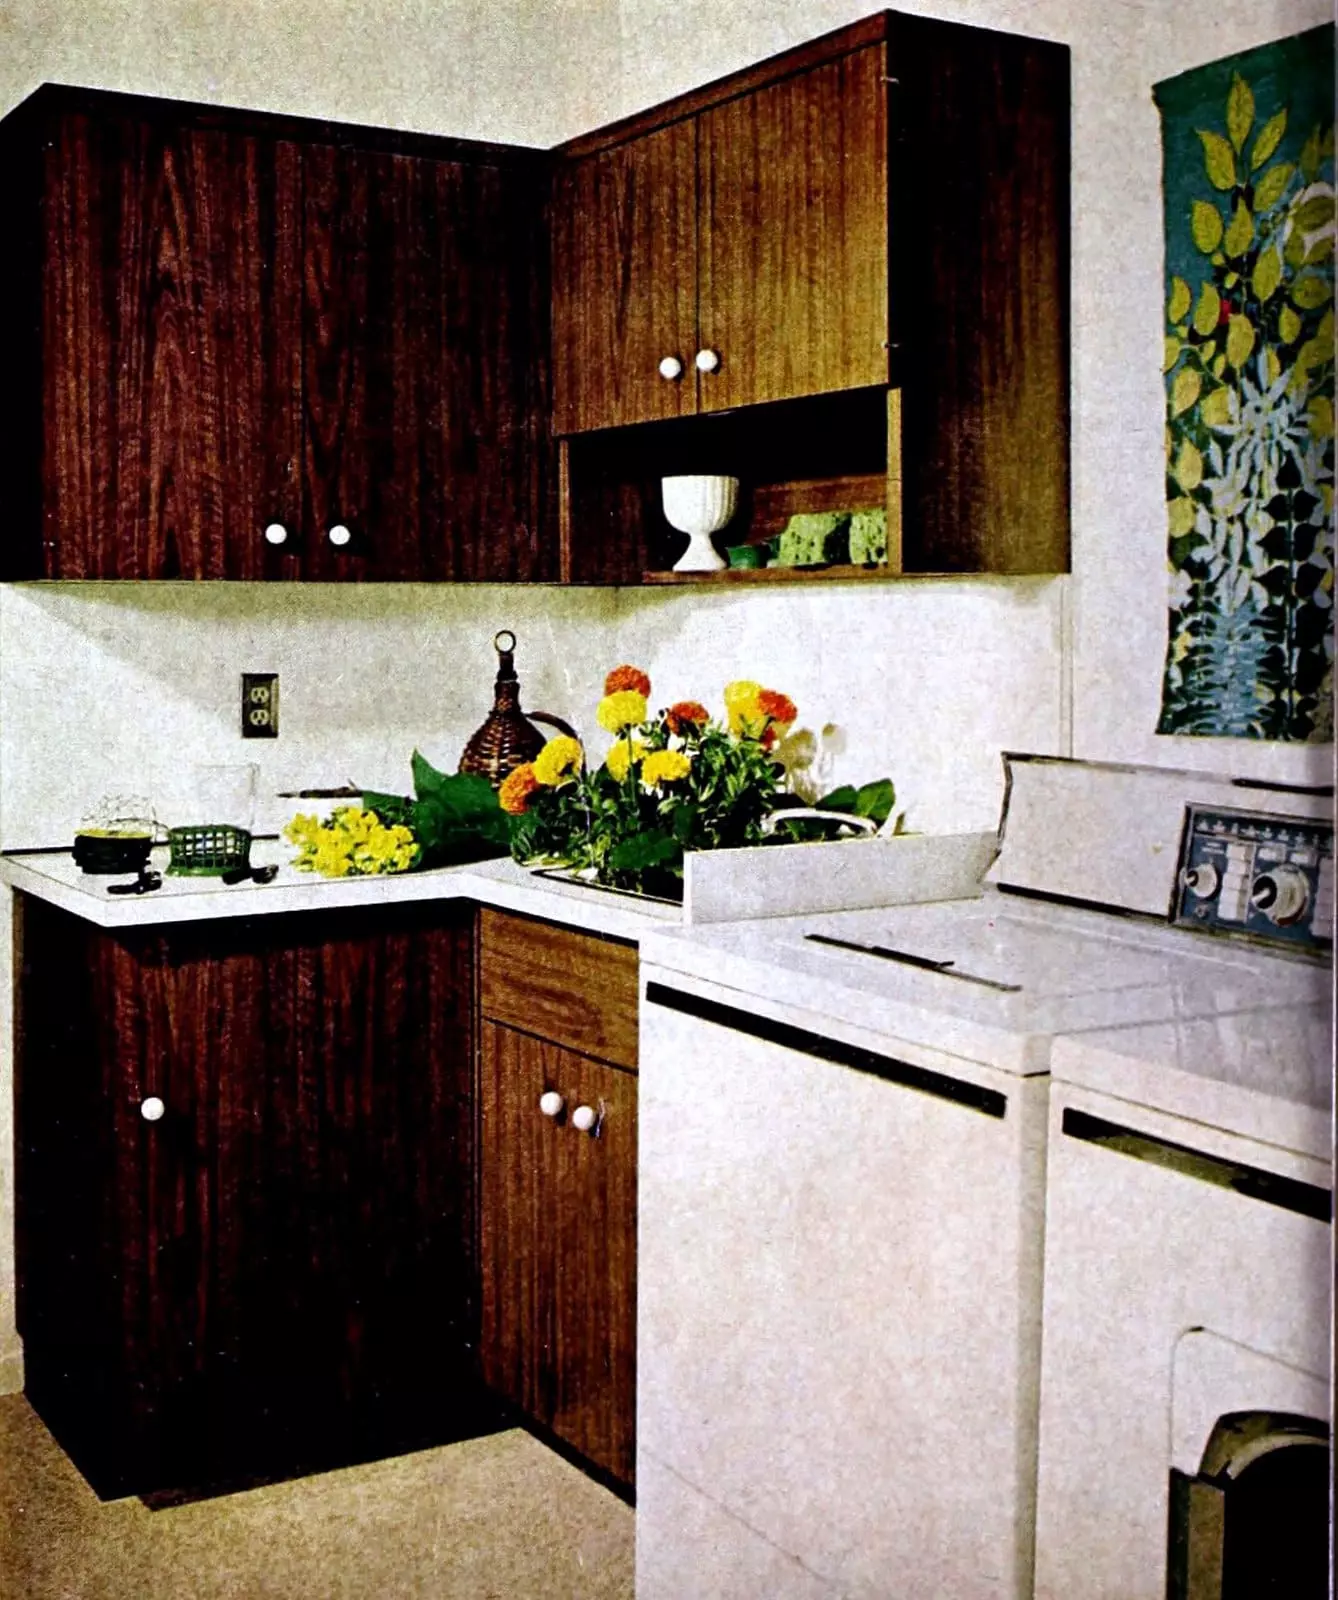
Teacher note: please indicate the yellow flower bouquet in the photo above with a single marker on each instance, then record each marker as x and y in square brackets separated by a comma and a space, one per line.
[450, 818]
[674, 781]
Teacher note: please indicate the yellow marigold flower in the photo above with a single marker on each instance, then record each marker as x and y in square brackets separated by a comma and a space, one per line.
[558, 761]
[664, 766]
[623, 709]
[517, 787]
[741, 691]
[620, 758]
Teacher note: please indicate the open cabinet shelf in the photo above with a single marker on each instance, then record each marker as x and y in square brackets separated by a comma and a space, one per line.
[836, 452]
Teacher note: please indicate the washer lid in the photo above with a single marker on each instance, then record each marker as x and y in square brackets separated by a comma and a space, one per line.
[1265, 1073]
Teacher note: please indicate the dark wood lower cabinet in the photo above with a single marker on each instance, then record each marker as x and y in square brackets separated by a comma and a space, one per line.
[559, 1244]
[558, 1204]
[278, 1272]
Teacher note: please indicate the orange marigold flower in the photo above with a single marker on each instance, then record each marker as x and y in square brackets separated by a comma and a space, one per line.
[778, 707]
[517, 787]
[627, 678]
[685, 714]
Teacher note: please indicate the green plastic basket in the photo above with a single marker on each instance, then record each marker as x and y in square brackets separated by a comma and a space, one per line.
[207, 850]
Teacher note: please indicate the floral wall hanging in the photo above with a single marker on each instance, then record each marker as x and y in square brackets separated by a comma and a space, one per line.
[1248, 182]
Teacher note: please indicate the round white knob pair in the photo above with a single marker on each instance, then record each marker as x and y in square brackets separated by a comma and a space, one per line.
[550, 1103]
[152, 1109]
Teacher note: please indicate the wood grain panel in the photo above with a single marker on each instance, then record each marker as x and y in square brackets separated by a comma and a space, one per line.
[625, 282]
[574, 988]
[172, 354]
[426, 331]
[982, 292]
[793, 248]
[279, 1273]
[558, 1245]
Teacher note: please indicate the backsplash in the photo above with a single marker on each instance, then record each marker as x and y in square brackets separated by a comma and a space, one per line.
[126, 687]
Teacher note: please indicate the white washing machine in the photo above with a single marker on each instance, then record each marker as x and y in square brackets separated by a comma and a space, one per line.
[842, 1143]
[1185, 1399]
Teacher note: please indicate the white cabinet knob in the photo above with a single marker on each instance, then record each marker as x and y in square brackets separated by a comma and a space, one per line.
[339, 534]
[276, 533]
[152, 1109]
[671, 367]
[583, 1118]
[707, 361]
[550, 1103]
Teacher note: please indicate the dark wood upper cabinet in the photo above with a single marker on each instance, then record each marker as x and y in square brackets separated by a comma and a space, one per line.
[170, 304]
[625, 282]
[793, 258]
[249, 333]
[880, 255]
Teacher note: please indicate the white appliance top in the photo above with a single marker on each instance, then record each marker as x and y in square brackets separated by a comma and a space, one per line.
[1263, 1074]
[1021, 972]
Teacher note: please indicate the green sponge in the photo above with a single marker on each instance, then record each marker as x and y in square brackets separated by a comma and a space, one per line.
[868, 538]
[811, 538]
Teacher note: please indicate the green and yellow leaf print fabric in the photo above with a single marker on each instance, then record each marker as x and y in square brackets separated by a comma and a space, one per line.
[1248, 181]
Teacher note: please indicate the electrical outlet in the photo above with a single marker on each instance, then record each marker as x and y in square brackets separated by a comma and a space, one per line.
[260, 705]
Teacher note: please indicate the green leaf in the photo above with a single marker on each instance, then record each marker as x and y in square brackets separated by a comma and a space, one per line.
[1321, 250]
[875, 800]
[1310, 291]
[842, 799]
[1267, 274]
[426, 778]
[1239, 111]
[1218, 160]
[651, 848]
[1205, 223]
[1310, 156]
[1208, 311]
[1270, 136]
[1185, 390]
[1289, 325]
[1272, 186]
[393, 809]
[1240, 341]
[1177, 307]
[1241, 231]
[1314, 213]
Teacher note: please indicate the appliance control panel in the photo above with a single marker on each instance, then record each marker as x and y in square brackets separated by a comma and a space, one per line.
[1257, 875]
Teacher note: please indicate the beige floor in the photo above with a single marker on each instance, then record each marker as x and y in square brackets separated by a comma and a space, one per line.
[499, 1518]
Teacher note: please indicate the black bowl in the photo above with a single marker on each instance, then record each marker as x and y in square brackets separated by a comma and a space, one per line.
[111, 852]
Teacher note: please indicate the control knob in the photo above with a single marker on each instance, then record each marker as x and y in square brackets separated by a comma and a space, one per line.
[1282, 894]
[1201, 881]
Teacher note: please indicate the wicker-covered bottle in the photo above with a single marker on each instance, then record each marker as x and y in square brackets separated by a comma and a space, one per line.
[508, 738]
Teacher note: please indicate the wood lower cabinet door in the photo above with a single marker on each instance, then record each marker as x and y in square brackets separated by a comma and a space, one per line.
[245, 1192]
[170, 296]
[793, 254]
[625, 282]
[559, 1243]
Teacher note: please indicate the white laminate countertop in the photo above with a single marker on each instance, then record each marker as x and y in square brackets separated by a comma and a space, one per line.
[500, 883]
[1018, 973]
[1265, 1073]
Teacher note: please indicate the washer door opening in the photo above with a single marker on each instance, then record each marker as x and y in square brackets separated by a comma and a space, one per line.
[1254, 1522]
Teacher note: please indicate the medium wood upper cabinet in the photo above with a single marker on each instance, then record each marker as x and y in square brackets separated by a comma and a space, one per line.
[875, 229]
[557, 1164]
[245, 347]
[729, 257]
[245, 1217]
